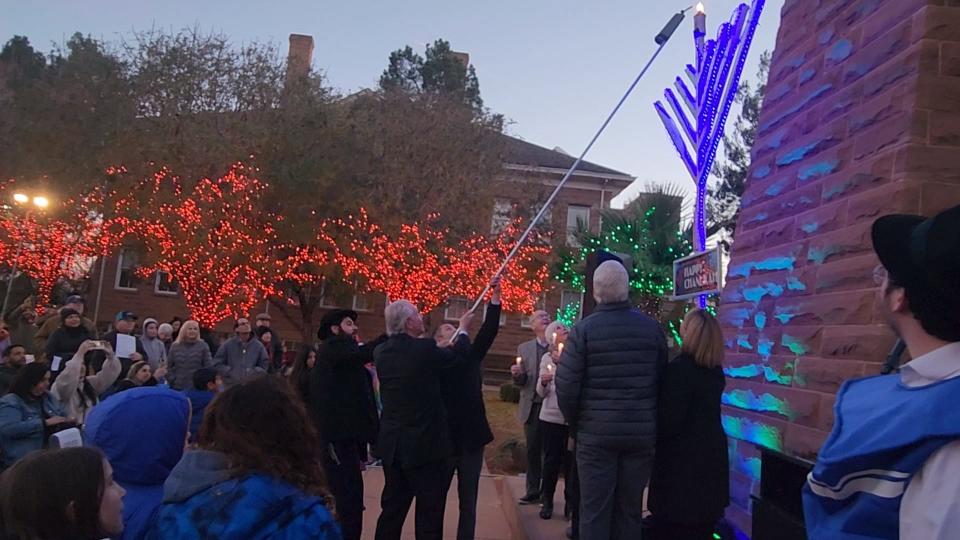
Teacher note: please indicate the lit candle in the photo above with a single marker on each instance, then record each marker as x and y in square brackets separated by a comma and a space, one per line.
[550, 367]
[560, 349]
[519, 360]
[700, 31]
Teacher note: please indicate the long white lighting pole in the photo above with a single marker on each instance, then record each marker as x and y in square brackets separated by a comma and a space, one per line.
[661, 39]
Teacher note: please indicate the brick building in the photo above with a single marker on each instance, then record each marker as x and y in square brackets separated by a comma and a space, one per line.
[861, 118]
[529, 171]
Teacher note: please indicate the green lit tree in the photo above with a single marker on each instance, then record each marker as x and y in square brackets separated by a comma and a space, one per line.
[649, 232]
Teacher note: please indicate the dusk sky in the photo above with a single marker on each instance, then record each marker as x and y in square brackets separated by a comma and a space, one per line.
[554, 69]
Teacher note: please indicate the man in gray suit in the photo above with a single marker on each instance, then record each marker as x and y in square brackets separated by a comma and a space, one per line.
[525, 375]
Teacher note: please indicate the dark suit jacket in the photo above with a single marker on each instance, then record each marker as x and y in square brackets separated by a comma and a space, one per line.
[463, 390]
[413, 426]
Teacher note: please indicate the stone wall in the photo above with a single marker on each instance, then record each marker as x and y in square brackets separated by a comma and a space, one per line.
[861, 118]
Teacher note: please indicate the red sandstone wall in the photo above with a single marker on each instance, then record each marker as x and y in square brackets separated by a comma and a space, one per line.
[861, 118]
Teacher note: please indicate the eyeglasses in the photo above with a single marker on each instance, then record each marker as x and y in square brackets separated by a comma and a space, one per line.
[879, 274]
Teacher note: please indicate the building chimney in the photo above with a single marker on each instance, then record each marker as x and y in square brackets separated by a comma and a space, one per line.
[299, 57]
[462, 57]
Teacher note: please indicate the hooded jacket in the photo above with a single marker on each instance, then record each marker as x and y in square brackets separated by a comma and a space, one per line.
[79, 394]
[142, 433]
[203, 498]
[155, 348]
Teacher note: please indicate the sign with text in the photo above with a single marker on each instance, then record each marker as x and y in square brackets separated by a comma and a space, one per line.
[696, 274]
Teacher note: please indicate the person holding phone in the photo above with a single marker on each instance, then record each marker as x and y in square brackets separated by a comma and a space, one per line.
[78, 388]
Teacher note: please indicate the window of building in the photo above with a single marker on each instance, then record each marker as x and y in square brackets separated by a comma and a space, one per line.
[502, 213]
[578, 217]
[455, 309]
[571, 301]
[362, 302]
[127, 264]
[165, 284]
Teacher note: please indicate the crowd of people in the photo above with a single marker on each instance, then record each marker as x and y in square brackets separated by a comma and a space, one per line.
[178, 438]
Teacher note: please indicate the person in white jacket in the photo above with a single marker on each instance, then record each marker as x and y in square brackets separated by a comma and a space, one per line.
[553, 427]
[78, 389]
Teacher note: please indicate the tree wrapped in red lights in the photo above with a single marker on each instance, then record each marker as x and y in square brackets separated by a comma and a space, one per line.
[475, 260]
[215, 240]
[409, 264]
[54, 244]
[422, 264]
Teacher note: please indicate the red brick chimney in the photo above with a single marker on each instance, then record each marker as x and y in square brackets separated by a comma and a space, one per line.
[300, 56]
[463, 57]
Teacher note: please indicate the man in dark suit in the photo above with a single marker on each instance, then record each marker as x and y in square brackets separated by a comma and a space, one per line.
[414, 441]
[469, 429]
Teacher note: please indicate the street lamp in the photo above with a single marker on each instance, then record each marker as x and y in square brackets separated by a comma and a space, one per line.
[22, 199]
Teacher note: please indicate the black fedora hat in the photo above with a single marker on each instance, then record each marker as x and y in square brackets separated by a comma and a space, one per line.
[333, 318]
[919, 251]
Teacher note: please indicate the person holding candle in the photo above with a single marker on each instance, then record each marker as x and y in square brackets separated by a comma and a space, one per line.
[553, 427]
[529, 355]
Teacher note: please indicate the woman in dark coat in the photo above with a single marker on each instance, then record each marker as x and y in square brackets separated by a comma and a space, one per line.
[689, 488]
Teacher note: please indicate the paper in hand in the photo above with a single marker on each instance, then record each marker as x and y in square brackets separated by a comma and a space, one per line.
[68, 438]
[126, 345]
[55, 364]
[29, 359]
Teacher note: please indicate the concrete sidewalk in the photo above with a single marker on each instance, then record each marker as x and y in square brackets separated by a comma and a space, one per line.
[492, 522]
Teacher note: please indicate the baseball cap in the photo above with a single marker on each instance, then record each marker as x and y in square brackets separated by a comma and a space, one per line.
[263, 317]
[74, 299]
[126, 316]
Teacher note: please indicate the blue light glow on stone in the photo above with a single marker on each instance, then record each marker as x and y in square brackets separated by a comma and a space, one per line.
[807, 74]
[760, 320]
[784, 313]
[742, 372]
[772, 375]
[744, 341]
[796, 346]
[761, 172]
[775, 140]
[747, 400]
[825, 37]
[755, 432]
[795, 155]
[810, 228]
[777, 188]
[818, 169]
[755, 294]
[769, 264]
[820, 254]
[840, 51]
[764, 347]
[795, 284]
[775, 121]
[736, 316]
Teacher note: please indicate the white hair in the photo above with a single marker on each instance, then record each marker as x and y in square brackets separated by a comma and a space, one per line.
[552, 329]
[165, 328]
[396, 315]
[611, 283]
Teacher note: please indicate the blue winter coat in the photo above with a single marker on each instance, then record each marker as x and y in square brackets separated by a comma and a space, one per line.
[203, 499]
[142, 432]
[21, 425]
[199, 399]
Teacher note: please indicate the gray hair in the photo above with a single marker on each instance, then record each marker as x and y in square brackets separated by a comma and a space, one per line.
[552, 329]
[611, 283]
[396, 315]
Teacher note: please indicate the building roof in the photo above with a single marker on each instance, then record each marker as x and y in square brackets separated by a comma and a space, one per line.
[523, 153]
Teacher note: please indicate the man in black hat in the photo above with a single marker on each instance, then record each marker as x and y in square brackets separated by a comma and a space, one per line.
[891, 466]
[345, 411]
